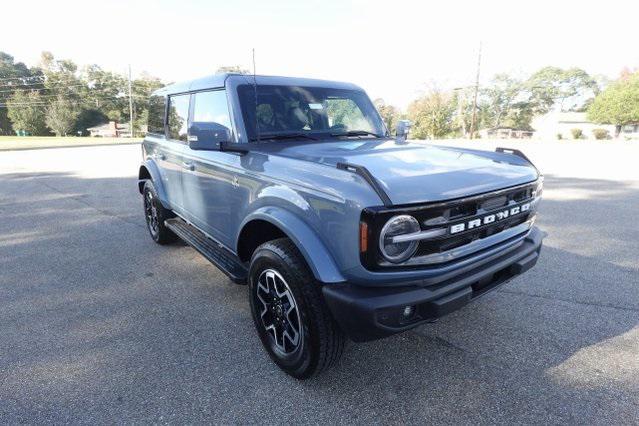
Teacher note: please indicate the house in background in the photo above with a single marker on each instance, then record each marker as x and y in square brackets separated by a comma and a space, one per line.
[553, 124]
[112, 129]
[504, 133]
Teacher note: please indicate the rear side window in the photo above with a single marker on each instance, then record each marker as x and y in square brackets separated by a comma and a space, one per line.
[211, 107]
[157, 105]
[178, 117]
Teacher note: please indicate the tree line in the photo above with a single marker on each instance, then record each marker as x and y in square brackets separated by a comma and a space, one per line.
[511, 102]
[58, 97]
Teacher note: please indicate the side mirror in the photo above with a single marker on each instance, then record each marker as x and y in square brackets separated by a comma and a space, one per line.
[207, 136]
[403, 127]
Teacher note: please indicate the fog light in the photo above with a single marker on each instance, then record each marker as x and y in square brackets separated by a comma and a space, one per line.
[408, 311]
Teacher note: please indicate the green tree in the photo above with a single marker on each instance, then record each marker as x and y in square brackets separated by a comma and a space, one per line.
[503, 99]
[14, 76]
[26, 112]
[618, 104]
[389, 114]
[232, 69]
[432, 115]
[88, 117]
[567, 88]
[61, 116]
[104, 91]
[62, 78]
[142, 87]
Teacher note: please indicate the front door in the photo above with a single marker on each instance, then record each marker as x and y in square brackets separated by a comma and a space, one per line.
[207, 179]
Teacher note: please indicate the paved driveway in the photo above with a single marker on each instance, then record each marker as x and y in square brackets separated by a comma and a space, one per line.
[98, 324]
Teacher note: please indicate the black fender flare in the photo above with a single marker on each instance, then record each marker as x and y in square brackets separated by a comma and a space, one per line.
[316, 254]
[150, 171]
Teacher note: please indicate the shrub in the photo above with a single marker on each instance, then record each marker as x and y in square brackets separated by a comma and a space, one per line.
[576, 133]
[600, 134]
[560, 136]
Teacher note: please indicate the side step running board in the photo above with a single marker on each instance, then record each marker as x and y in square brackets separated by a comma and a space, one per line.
[226, 261]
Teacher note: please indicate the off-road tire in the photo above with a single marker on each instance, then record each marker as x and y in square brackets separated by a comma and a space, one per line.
[155, 215]
[322, 341]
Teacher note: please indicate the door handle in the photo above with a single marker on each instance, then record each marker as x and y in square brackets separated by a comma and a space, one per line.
[188, 166]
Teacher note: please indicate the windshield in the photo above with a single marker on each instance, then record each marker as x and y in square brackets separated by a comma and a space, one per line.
[308, 112]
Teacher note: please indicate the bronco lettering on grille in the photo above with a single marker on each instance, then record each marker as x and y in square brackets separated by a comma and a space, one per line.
[488, 219]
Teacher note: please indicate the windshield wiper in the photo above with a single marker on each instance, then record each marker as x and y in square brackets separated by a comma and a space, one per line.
[356, 133]
[285, 136]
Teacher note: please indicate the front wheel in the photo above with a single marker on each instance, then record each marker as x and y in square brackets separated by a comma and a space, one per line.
[290, 315]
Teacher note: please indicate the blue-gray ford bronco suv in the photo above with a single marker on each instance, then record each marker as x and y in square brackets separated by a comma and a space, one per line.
[296, 188]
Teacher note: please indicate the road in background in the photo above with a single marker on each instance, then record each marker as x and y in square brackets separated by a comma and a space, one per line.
[11, 143]
[99, 324]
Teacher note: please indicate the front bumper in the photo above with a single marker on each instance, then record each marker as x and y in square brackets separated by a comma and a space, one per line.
[369, 313]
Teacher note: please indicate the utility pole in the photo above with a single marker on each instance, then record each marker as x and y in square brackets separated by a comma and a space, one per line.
[474, 119]
[461, 101]
[130, 104]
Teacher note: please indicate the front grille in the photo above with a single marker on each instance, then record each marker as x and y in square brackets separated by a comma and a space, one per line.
[444, 215]
[449, 242]
[464, 210]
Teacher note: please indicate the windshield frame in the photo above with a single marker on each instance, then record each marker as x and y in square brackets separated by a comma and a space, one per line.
[366, 107]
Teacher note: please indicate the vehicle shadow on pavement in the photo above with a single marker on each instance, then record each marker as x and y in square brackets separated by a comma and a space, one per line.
[98, 322]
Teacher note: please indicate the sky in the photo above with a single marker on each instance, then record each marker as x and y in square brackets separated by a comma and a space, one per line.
[395, 49]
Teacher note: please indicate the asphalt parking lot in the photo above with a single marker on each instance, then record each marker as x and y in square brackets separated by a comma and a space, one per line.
[100, 325]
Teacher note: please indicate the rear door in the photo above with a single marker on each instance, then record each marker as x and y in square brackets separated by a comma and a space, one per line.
[171, 158]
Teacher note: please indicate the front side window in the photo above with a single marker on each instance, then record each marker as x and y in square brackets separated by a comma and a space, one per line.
[155, 123]
[212, 107]
[178, 117]
[317, 112]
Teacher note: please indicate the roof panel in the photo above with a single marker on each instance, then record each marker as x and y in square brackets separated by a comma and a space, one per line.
[218, 80]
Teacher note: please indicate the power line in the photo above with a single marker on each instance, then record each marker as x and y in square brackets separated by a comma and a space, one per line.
[22, 78]
[54, 79]
[92, 97]
[18, 89]
[51, 81]
[48, 99]
[18, 85]
[77, 102]
[98, 92]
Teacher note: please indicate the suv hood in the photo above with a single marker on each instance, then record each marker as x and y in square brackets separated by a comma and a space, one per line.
[416, 172]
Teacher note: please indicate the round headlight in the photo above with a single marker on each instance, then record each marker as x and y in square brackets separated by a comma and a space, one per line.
[397, 252]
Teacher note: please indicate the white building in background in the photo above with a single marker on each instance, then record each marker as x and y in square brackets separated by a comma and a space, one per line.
[111, 129]
[553, 124]
[504, 133]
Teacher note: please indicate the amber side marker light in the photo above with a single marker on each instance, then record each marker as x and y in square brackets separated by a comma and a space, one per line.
[363, 237]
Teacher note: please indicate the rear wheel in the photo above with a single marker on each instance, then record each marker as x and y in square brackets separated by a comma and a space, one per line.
[155, 215]
[291, 318]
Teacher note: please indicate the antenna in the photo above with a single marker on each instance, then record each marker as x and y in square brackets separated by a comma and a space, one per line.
[257, 123]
